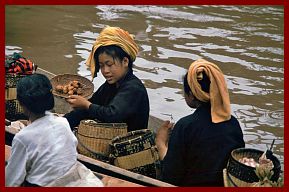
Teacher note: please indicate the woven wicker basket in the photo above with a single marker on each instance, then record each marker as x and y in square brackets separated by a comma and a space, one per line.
[94, 138]
[135, 151]
[242, 175]
[13, 109]
[64, 79]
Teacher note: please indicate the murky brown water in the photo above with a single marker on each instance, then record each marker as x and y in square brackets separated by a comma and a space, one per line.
[247, 42]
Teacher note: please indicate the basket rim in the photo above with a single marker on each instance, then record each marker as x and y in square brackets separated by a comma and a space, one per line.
[90, 121]
[244, 149]
[57, 79]
[146, 132]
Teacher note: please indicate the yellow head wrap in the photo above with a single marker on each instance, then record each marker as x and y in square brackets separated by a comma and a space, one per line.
[113, 36]
[218, 94]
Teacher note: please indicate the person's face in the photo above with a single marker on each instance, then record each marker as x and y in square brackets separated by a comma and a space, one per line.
[191, 100]
[112, 69]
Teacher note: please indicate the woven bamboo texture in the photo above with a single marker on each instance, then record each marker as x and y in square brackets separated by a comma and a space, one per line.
[97, 136]
[64, 79]
[13, 110]
[225, 179]
[136, 152]
[231, 181]
[132, 142]
[11, 80]
[139, 159]
[243, 175]
[10, 94]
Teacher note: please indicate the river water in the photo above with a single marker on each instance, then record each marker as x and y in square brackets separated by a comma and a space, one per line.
[246, 42]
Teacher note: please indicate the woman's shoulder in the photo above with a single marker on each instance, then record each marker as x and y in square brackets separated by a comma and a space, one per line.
[60, 120]
[134, 83]
[132, 79]
[186, 121]
[234, 120]
[25, 134]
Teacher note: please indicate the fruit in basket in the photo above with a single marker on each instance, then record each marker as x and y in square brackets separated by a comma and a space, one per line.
[78, 84]
[262, 161]
[70, 92]
[59, 88]
[75, 84]
[65, 89]
[248, 161]
[79, 92]
[71, 88]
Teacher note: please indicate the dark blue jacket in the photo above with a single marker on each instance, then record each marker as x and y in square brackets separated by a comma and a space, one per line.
[198, 149]
[127, 103]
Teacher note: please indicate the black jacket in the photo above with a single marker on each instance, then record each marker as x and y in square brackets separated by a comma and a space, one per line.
[198, 149]
[127, 103]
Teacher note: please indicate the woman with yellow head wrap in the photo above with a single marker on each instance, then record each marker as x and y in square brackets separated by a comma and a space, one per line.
[122, 97]
[112, 36]
[199, 146]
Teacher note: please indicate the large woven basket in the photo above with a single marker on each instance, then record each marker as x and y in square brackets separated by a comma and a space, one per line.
[242, 175]
[13, 109]
[94, 138]
[64, 79]
[135, 151]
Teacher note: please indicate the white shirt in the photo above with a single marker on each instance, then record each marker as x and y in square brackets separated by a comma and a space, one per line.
[41, 152]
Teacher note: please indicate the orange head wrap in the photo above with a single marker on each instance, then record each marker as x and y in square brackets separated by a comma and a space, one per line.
[218, 94]
[113, 36]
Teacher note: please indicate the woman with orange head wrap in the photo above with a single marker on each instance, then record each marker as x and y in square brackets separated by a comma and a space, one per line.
[122, 98]
[199, 146]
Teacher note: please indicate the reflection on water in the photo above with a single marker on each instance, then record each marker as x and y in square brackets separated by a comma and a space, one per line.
[245, 41]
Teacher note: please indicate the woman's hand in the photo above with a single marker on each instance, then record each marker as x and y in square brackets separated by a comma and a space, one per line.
[162, 138]
[77, 101]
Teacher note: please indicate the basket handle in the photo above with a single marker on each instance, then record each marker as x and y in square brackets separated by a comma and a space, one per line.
[231, 180]
[93, 153]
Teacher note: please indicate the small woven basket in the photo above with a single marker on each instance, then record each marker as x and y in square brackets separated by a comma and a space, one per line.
[13, 109]
[94, 138]
[135, 151]
[64, 79]
[242, 175]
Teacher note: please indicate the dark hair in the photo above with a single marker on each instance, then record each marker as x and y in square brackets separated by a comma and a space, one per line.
[114, 51]
[35, 93]
[205, 84]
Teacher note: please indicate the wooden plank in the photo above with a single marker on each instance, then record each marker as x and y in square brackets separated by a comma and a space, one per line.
[105, 168]
[109, 181]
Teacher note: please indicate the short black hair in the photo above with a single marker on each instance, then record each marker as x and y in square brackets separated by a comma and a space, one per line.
[114, 51]
[205, 84]
[35, 93]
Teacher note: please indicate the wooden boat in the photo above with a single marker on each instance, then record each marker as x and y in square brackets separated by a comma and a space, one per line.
[111, 175]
